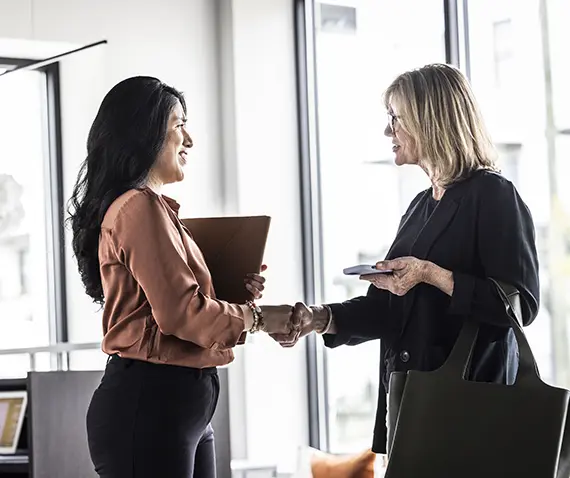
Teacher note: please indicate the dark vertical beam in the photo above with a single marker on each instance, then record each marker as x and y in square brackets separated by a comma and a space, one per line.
[56, 200]
[467, 39]
[306, 208]
[304, 56]
[452, 55]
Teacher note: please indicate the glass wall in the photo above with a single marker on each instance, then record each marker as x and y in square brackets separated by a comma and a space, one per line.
[516, 57]
[519, 69]
[25, 310]
[360, 47]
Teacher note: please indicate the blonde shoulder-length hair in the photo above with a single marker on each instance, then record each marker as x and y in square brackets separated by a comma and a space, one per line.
[437, 108]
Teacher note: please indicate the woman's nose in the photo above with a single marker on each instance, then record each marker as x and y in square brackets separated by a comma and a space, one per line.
[388, 131]
[188, 143]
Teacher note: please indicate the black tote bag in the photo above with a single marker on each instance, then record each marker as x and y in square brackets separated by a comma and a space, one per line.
[441, 425]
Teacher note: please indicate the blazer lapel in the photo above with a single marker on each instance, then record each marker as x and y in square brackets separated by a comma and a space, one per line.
[437, 223]
[406, 219]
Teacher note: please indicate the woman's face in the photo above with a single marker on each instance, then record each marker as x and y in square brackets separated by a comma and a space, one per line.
[171, 160]
[402, 143]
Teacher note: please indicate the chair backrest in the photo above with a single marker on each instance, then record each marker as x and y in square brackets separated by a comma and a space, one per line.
[221, 425]
[58, 404]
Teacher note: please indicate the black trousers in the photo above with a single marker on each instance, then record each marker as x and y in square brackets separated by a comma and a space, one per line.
[153, 421]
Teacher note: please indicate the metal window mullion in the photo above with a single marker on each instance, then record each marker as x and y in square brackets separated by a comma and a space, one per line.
[451, 32]
[57, 198]
[54, 212]
[456, 16]
[311, 213]
[465, 60]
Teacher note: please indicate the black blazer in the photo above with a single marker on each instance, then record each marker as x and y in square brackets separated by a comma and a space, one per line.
[481, 228]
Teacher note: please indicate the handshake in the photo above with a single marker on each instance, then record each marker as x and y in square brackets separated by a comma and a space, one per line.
[287, 324]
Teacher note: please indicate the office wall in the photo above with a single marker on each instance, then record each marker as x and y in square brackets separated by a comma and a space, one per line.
[234, 59]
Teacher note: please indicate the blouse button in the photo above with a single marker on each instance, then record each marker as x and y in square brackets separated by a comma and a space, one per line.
[404, 356]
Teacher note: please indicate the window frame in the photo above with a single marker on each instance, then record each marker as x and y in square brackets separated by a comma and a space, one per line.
[456, 53]
[54, 206]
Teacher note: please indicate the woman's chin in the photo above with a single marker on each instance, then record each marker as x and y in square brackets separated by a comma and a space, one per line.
[179, 175]
[399, 161]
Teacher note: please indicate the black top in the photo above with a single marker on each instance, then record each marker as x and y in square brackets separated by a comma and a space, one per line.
[480, 229]
[403, 243]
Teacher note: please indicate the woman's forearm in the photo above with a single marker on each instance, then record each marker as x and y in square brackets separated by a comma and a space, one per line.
[439, 277]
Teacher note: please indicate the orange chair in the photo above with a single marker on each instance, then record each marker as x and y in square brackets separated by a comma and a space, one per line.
[324, 465]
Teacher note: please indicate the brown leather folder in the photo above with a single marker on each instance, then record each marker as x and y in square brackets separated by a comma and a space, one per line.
[232, 248]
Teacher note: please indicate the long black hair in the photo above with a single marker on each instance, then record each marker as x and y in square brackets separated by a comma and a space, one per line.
[123, 144]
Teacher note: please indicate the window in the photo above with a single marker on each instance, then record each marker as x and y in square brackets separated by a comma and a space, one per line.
[503, 52]
[31, 287]
[337, 18]
[359, 48]
[516, 56]
[529, 135]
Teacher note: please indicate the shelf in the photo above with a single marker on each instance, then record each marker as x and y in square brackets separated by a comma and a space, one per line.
[13, 467]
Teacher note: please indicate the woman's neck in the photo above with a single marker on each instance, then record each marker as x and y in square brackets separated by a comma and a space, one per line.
[437, 190]
[155, 185]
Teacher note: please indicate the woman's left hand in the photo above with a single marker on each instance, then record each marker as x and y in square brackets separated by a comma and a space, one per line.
[254, 283]
[406, 273]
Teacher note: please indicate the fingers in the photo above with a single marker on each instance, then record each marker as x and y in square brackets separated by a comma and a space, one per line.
[301, 316]
[255, 277]
[393, 264]
[277, 319]
[254, 284]
[256, 293]
[287, 340]
[387, 265]
[380, 281]
[377, 278]
[300, 319]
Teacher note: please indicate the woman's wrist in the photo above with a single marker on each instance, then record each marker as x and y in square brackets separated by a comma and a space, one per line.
[323, 320]
[439, 277]
[247, 317]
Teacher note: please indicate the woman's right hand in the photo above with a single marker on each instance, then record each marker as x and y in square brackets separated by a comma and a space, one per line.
[306, 318]
[277, 319]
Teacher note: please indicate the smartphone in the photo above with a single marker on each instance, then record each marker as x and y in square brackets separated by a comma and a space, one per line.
[363, 270]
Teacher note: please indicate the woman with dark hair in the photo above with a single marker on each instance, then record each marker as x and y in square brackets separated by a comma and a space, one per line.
[164, 330]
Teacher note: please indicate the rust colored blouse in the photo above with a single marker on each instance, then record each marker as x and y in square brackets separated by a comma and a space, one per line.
[160, 304]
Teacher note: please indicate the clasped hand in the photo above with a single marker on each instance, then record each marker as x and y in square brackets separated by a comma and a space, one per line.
[286, 324]
[277, 319]
[282, 321]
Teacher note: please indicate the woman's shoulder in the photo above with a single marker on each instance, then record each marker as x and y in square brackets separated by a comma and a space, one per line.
[491, 191]
[484, 182]
[132, 203]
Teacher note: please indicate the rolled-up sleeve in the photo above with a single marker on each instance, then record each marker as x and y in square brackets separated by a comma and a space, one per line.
[148, 243]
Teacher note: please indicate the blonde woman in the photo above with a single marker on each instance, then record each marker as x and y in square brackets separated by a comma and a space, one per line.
[469, 226]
